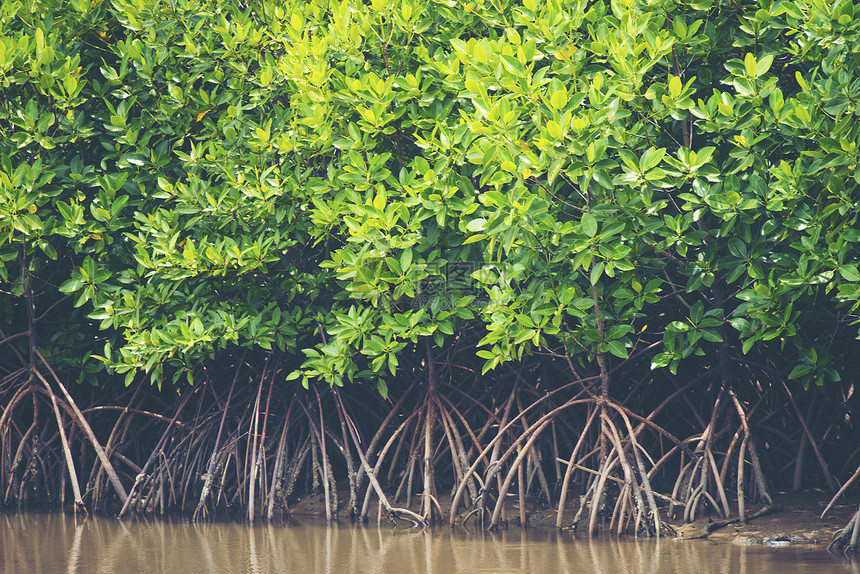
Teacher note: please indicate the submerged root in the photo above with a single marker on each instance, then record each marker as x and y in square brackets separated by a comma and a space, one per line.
[846, 540]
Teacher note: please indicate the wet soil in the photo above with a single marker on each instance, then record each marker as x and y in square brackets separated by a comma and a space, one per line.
[794, 520]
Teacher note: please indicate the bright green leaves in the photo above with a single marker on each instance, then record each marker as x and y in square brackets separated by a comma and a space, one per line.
[675, 87]
[520, 316]
[367, 338]
[160, 180]
[674, 97]
[558, 100]
[601, 253]
[85, 280]
[850, 273]
[680, 232]
[650, 159]
[756, 68]
[643, 170]
[485, 275]
[320, 182]
[588, 224]
[25, 190]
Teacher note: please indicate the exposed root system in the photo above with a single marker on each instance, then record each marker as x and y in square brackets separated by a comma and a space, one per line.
[249, 444]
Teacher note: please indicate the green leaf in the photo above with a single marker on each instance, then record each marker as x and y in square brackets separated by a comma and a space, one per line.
[480, 54]
[596, 272]
[800, 81]
[406, 260]
[678, 327]
[617, 348]
[661, 360]
[71, 285]
[513, 65]
[524, 335]
[651, 159]
[750, 65]
[801, 371]
[696, 312]
[850, 273]
[485, 276]
[711, 336]
[675, 86]
[559, 99]
[554, 130]
[589, 224]
[382, 388]
[763, 65]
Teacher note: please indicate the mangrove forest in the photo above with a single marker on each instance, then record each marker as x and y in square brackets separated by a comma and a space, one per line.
[438, 261]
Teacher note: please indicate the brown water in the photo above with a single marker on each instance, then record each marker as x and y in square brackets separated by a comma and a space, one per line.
[54, 543]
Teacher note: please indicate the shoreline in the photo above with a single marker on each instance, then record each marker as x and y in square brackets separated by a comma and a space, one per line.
[793, 520]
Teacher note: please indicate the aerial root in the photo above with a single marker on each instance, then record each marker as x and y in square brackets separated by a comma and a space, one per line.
[846, 539]
[393, 512]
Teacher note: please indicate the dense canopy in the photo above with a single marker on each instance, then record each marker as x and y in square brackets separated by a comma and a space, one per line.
[466, 241]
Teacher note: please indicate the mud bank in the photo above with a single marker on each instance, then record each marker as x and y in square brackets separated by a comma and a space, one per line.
[795, 519]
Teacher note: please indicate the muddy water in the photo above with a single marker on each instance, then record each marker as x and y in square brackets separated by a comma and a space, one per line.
[54, 543]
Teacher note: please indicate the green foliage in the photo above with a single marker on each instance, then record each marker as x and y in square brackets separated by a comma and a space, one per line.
[337, 180]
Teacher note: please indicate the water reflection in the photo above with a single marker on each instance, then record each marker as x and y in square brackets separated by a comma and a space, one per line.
[54, 543]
